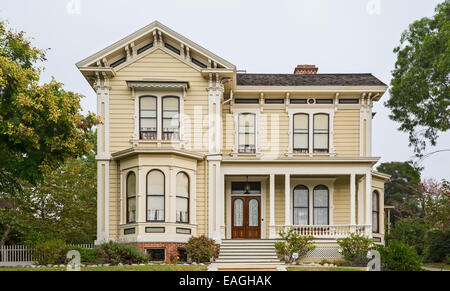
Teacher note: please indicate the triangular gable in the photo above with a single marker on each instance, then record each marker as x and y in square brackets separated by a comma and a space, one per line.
[154, 34]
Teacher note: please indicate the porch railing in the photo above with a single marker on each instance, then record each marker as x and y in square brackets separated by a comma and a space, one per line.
[325, 231]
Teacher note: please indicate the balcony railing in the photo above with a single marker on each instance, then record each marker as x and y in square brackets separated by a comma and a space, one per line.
[325, 231]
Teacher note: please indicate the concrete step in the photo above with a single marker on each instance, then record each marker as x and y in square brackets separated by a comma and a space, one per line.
[240, 254]
[227, 247]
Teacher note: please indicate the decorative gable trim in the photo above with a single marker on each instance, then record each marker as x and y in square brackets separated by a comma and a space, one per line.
[155, 31]
[158, 85]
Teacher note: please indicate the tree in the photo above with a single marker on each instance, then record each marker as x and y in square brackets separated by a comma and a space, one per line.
[402, 190]
[62, 206]
[420, 94]
[41, 126]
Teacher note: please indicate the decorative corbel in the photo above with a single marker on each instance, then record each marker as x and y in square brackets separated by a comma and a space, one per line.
[182, 50]
[105, 62]
[160, 38]
[261, 101]
[188, 52]
[336, 101]
[155, 38]
[127, 50]
[133, 49]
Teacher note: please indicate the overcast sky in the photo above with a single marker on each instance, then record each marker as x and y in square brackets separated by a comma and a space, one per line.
[345, 36]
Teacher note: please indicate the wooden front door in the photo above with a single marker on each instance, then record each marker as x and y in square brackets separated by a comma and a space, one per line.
[246, 217]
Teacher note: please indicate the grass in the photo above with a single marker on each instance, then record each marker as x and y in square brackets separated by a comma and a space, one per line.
[320, 269]
[438, 266]
[119, 268]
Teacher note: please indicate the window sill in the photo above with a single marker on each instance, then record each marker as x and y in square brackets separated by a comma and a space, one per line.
[247, 155]
[291, 154]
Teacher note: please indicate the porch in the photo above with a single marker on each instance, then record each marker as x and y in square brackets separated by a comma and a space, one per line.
[334, 203]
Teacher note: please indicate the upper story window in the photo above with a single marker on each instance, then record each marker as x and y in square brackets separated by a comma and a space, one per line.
[321, 204]
[301, 205]
[182, 209]
[375, 212]
[247, 133]
[301, 133]
[155, 196]
[321, 132]
[131, 197]
[148, 117]
[171, 118]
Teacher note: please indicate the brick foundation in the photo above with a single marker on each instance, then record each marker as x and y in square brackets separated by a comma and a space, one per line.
[170, 247]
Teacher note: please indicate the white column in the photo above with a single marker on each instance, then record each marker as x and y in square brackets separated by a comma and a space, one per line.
[360, 202]
[272, 233]
[141, 196]
[352, 199]
[287, 204]
[193, 218]
[220, 204]
[369, 202]
[121, 193]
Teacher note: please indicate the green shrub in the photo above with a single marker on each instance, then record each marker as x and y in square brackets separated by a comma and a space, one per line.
[399, 256]
[412, 231]
[52, 252]
[293, 243]
[439, 246]
[88, 255]
[354, 249]
[200, 249]
[115, 253]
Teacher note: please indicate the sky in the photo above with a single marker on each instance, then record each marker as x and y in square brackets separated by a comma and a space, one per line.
[345, 36]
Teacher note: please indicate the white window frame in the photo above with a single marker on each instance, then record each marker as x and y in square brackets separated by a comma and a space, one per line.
[311, 183]
[159, 94]
[236, 113]
[311, 112]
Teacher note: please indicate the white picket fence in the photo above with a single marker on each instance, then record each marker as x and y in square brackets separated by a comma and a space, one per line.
[20, 255]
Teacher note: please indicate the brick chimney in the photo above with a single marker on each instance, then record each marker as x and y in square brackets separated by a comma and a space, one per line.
[306, 70]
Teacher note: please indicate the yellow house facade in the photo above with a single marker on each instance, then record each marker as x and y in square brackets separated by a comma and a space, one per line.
[189, 146]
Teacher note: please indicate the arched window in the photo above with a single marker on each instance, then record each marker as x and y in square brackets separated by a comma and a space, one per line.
[247, 133]
[131, 197]
[148, 117]
[182, 198]
[375, 212]
[171, 118]
[321, 132]
[155, 196]
[301, 205]
[321, 205]
[301, 133]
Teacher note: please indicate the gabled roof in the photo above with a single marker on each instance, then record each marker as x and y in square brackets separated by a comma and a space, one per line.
[308, 80]
[148, 30]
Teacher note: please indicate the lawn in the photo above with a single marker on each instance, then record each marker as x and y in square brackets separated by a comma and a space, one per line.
[320, 269]
[120, 268]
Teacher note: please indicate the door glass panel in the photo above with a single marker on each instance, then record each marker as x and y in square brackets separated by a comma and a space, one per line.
[238, 212]
[253, 212]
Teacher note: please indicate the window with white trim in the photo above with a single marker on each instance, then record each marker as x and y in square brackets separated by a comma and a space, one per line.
[247, 133]
[171, 118]
[148, 117]
[321, 137]
[131, 197]
[321, 205]
[301, 205]
[301, 133]
[182, 209]
[375, 212]
[155, 196]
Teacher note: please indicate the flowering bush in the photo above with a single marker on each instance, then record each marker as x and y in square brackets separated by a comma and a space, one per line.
[293, 243]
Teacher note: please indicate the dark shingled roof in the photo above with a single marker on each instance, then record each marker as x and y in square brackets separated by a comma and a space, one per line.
[308, 80]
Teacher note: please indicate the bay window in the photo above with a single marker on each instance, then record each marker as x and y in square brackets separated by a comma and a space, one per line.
[171, 118]
[131, 197]
[155, 196]
[182, 192]
[148, 117]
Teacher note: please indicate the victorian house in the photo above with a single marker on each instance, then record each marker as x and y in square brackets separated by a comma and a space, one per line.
[189, 146]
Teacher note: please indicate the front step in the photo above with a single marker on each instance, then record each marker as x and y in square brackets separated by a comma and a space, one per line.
[247, 252]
